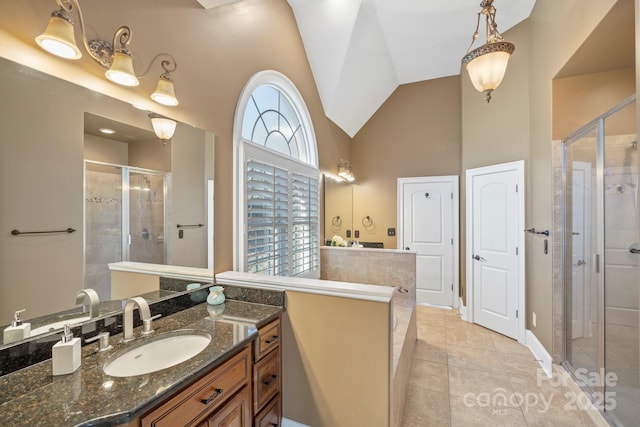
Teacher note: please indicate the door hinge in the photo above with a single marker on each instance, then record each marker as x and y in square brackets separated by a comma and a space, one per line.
[516, 314]
[516, 251]
[452, 240]
[516, 188]
[451, 196]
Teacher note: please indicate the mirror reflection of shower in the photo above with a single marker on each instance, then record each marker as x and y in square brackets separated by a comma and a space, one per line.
[124, 220]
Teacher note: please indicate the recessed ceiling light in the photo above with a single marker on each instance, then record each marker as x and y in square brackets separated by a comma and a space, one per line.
[107, 131]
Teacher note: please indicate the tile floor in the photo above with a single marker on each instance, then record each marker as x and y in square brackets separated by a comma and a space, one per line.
[466, 375]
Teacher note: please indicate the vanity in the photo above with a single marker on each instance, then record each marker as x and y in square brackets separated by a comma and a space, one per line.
[234, 379]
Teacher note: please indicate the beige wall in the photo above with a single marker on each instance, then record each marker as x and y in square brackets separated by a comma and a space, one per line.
[416, 132]
[105, 150]
[580, 99]
[337, 361]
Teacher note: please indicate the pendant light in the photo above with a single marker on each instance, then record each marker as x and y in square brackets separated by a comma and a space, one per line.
[487, 64]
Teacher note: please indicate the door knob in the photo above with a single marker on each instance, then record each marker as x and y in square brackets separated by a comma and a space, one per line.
[407, 248]
[478, 258]
[580, 263]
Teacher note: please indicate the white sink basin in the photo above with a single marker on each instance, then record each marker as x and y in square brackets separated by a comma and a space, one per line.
[155, 354]
[58, 325]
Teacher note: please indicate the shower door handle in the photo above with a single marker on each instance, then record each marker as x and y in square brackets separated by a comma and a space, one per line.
[634, 251]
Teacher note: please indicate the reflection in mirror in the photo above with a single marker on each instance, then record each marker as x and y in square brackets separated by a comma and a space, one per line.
[338, 209]
[50, 150]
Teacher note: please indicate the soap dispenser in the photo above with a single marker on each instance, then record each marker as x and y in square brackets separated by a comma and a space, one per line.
[18, 329]
[66, 353]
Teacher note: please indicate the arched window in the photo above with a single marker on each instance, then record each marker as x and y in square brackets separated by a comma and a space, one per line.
[276, 180]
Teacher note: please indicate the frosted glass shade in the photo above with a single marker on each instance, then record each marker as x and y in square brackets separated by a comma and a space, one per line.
[59, 39]
[487, 64]
[165, 93]
[487, 71]
[163, 127]
[121, 71]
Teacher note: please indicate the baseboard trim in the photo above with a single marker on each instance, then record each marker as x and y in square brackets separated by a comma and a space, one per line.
[290, 423]
[541, 354]
[463, 311]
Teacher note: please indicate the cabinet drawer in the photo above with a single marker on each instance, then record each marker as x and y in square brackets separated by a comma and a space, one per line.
[203, 396]
[236, 412]
[268, 339]
[270, 415]
[266, 379]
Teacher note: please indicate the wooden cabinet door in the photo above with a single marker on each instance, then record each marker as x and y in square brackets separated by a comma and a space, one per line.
[270, 416]
[235, 413]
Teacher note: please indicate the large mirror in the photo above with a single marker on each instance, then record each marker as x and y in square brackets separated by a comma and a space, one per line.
[124, 194]
[338, 209]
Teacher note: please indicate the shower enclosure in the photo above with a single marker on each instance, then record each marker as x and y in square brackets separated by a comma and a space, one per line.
[124, 220]
[601, 262]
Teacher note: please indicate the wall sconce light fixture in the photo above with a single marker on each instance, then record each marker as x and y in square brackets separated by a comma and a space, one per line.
[345, 171]
[487, 64]
[59, 40]
[163, 127]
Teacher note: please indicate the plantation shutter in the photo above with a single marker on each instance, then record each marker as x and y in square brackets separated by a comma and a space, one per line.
[283, 236]
[267, 218]
[305, 231]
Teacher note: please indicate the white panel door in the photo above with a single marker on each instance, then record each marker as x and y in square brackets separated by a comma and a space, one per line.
[495, 246]
[427, 227]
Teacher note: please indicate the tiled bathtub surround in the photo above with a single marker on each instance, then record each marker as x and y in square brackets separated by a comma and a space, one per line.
[371, 266]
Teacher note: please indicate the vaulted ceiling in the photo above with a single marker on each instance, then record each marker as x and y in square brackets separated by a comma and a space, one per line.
[361, 50]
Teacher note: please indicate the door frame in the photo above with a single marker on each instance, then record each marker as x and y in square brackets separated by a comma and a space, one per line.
[518, 166]
[455, 222]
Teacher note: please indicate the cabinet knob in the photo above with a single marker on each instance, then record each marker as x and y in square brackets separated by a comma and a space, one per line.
[274, 338]
[270, 379]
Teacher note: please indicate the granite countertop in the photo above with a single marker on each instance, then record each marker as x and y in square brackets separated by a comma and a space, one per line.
[33, 396]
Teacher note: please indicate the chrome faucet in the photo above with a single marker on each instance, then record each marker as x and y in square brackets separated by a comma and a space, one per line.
[92, 297]
[145, 315]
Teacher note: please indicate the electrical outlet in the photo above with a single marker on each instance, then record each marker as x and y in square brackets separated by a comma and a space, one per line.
[533, 319]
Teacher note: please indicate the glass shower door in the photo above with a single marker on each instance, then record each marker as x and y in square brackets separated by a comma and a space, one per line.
[602, 262]
[581, 245]
[622, 273]
[146, 217]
